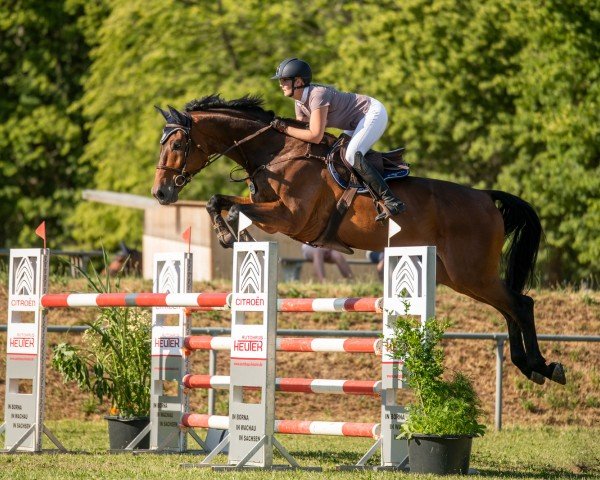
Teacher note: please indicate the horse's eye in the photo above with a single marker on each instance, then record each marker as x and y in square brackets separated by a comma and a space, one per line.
[176, 146]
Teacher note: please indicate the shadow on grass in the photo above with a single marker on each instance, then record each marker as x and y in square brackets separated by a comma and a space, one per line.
[342, 457]
[542, 473]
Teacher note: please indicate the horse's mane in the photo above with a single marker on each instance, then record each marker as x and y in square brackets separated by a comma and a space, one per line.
[248, 104]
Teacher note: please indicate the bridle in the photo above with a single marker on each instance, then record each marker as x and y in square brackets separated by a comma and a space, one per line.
[184, 177]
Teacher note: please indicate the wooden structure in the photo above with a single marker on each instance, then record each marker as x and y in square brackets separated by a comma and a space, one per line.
[163, 226]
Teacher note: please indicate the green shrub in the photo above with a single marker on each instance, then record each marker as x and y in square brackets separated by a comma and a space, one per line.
[442, 407]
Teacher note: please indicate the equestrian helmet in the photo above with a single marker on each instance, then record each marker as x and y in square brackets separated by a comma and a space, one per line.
[292, 68]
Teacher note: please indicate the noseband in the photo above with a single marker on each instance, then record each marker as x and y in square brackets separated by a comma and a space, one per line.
[184, 177]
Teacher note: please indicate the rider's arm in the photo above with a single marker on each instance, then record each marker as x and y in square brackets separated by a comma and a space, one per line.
[316, 127]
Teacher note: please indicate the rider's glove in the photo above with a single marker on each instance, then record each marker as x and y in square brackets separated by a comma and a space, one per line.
[279, 124]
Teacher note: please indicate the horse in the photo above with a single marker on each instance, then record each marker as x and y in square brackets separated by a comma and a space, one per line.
[292, 192]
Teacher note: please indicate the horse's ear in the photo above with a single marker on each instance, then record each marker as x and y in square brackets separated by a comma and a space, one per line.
[162, 112]
[175, 113]
[180, 117]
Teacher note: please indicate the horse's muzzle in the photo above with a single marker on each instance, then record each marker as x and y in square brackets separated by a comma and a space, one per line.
[165, 194]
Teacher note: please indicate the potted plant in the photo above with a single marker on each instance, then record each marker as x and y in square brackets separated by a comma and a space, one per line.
[113, 363]
[444, 416]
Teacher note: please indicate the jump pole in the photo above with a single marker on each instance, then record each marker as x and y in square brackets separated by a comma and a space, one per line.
[23, 425]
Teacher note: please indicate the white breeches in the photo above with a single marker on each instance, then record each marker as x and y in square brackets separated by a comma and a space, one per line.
[368, 130]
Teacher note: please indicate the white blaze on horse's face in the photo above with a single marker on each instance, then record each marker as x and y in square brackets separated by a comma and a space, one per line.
[167, 183]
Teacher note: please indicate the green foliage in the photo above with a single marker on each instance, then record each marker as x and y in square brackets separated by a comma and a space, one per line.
[442, 407]
[43, 58]
[496, 94]
[556, 130]
[113, 362]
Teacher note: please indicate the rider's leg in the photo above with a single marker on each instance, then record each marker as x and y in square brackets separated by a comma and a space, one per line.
[377, 184]
[367, 132]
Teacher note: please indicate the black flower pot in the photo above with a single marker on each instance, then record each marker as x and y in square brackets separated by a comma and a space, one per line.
[439, 455]
[122, 431]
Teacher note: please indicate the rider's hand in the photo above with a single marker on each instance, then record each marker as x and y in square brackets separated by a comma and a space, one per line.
[279, 124]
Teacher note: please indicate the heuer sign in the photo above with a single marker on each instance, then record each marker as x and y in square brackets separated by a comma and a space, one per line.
[22, 342]
[249, 346]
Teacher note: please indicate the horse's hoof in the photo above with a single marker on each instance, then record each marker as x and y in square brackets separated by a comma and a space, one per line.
[537, 378]
[226, 241]
[558, 374]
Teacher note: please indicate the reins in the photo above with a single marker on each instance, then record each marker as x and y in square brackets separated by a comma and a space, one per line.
[183, 177]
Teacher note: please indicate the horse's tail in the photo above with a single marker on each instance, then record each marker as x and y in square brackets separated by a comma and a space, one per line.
[520, 221]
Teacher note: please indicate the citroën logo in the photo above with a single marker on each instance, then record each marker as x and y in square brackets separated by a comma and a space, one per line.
[168, 278]
[250, 274]
[24, 278]
[405, 279]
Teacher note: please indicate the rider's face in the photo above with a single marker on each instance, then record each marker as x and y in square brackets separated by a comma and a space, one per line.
[286, 85]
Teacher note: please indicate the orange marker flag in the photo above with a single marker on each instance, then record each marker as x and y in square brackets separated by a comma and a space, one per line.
[187, 236]
[40, 231]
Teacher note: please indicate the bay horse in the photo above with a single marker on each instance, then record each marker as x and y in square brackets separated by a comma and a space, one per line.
[293, 193]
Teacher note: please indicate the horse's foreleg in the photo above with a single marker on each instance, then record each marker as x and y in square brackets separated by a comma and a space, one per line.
[214, 207]
[269, 216]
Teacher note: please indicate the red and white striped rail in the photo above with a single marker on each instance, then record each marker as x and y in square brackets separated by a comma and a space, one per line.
[66, 300]
[295, 427]
[350, 304]
[202, 301]
[349, 345]
[327, 305]
[297, 385]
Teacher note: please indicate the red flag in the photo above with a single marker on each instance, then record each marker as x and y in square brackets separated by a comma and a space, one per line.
[187, 236]
[40, 231]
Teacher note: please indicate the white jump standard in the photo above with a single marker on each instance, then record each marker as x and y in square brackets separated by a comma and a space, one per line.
[23, 425]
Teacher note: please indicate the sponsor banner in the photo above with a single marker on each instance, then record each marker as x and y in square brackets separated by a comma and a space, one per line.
[249, 346]
[23, 303]
[248, 302]
[22, 339]
[166, 341]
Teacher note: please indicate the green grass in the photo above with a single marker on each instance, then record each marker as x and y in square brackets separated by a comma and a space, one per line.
[515, 453]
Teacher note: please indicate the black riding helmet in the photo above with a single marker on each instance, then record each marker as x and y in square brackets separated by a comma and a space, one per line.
[292, 68]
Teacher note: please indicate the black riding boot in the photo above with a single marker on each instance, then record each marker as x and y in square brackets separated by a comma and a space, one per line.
[377, 185]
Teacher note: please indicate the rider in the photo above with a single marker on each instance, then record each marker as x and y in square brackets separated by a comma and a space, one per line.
[361, 117]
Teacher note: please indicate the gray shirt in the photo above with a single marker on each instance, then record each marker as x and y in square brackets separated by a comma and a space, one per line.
[345, 109]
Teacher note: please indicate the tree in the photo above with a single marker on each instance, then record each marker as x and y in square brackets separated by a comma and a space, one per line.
[157, 53]
[43, 56]
[556, 132]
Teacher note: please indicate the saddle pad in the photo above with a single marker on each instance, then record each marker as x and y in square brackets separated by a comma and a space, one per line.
[343, 183]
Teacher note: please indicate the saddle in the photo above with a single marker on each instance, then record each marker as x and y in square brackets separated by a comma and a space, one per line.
[390, 165]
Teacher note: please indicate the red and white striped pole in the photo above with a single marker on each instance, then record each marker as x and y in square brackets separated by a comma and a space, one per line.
[294, 427]
[291, 344]
[296, 385]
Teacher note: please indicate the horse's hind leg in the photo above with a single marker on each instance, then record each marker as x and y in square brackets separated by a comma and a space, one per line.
[517, 309]
[525, 317]
[465, 275]
[518, 355]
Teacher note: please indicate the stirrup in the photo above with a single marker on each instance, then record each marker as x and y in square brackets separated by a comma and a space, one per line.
[385, 211]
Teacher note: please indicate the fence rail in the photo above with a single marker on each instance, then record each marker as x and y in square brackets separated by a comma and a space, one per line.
[498, 338]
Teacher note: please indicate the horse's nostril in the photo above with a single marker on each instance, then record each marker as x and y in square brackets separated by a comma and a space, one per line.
[159, 194]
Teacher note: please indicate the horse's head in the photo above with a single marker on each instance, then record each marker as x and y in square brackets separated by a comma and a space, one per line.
[179, 160]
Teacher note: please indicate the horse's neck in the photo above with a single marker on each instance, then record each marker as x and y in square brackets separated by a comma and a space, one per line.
[222, 132]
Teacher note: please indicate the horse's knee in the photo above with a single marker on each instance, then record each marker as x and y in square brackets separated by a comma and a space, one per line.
[212, 207]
